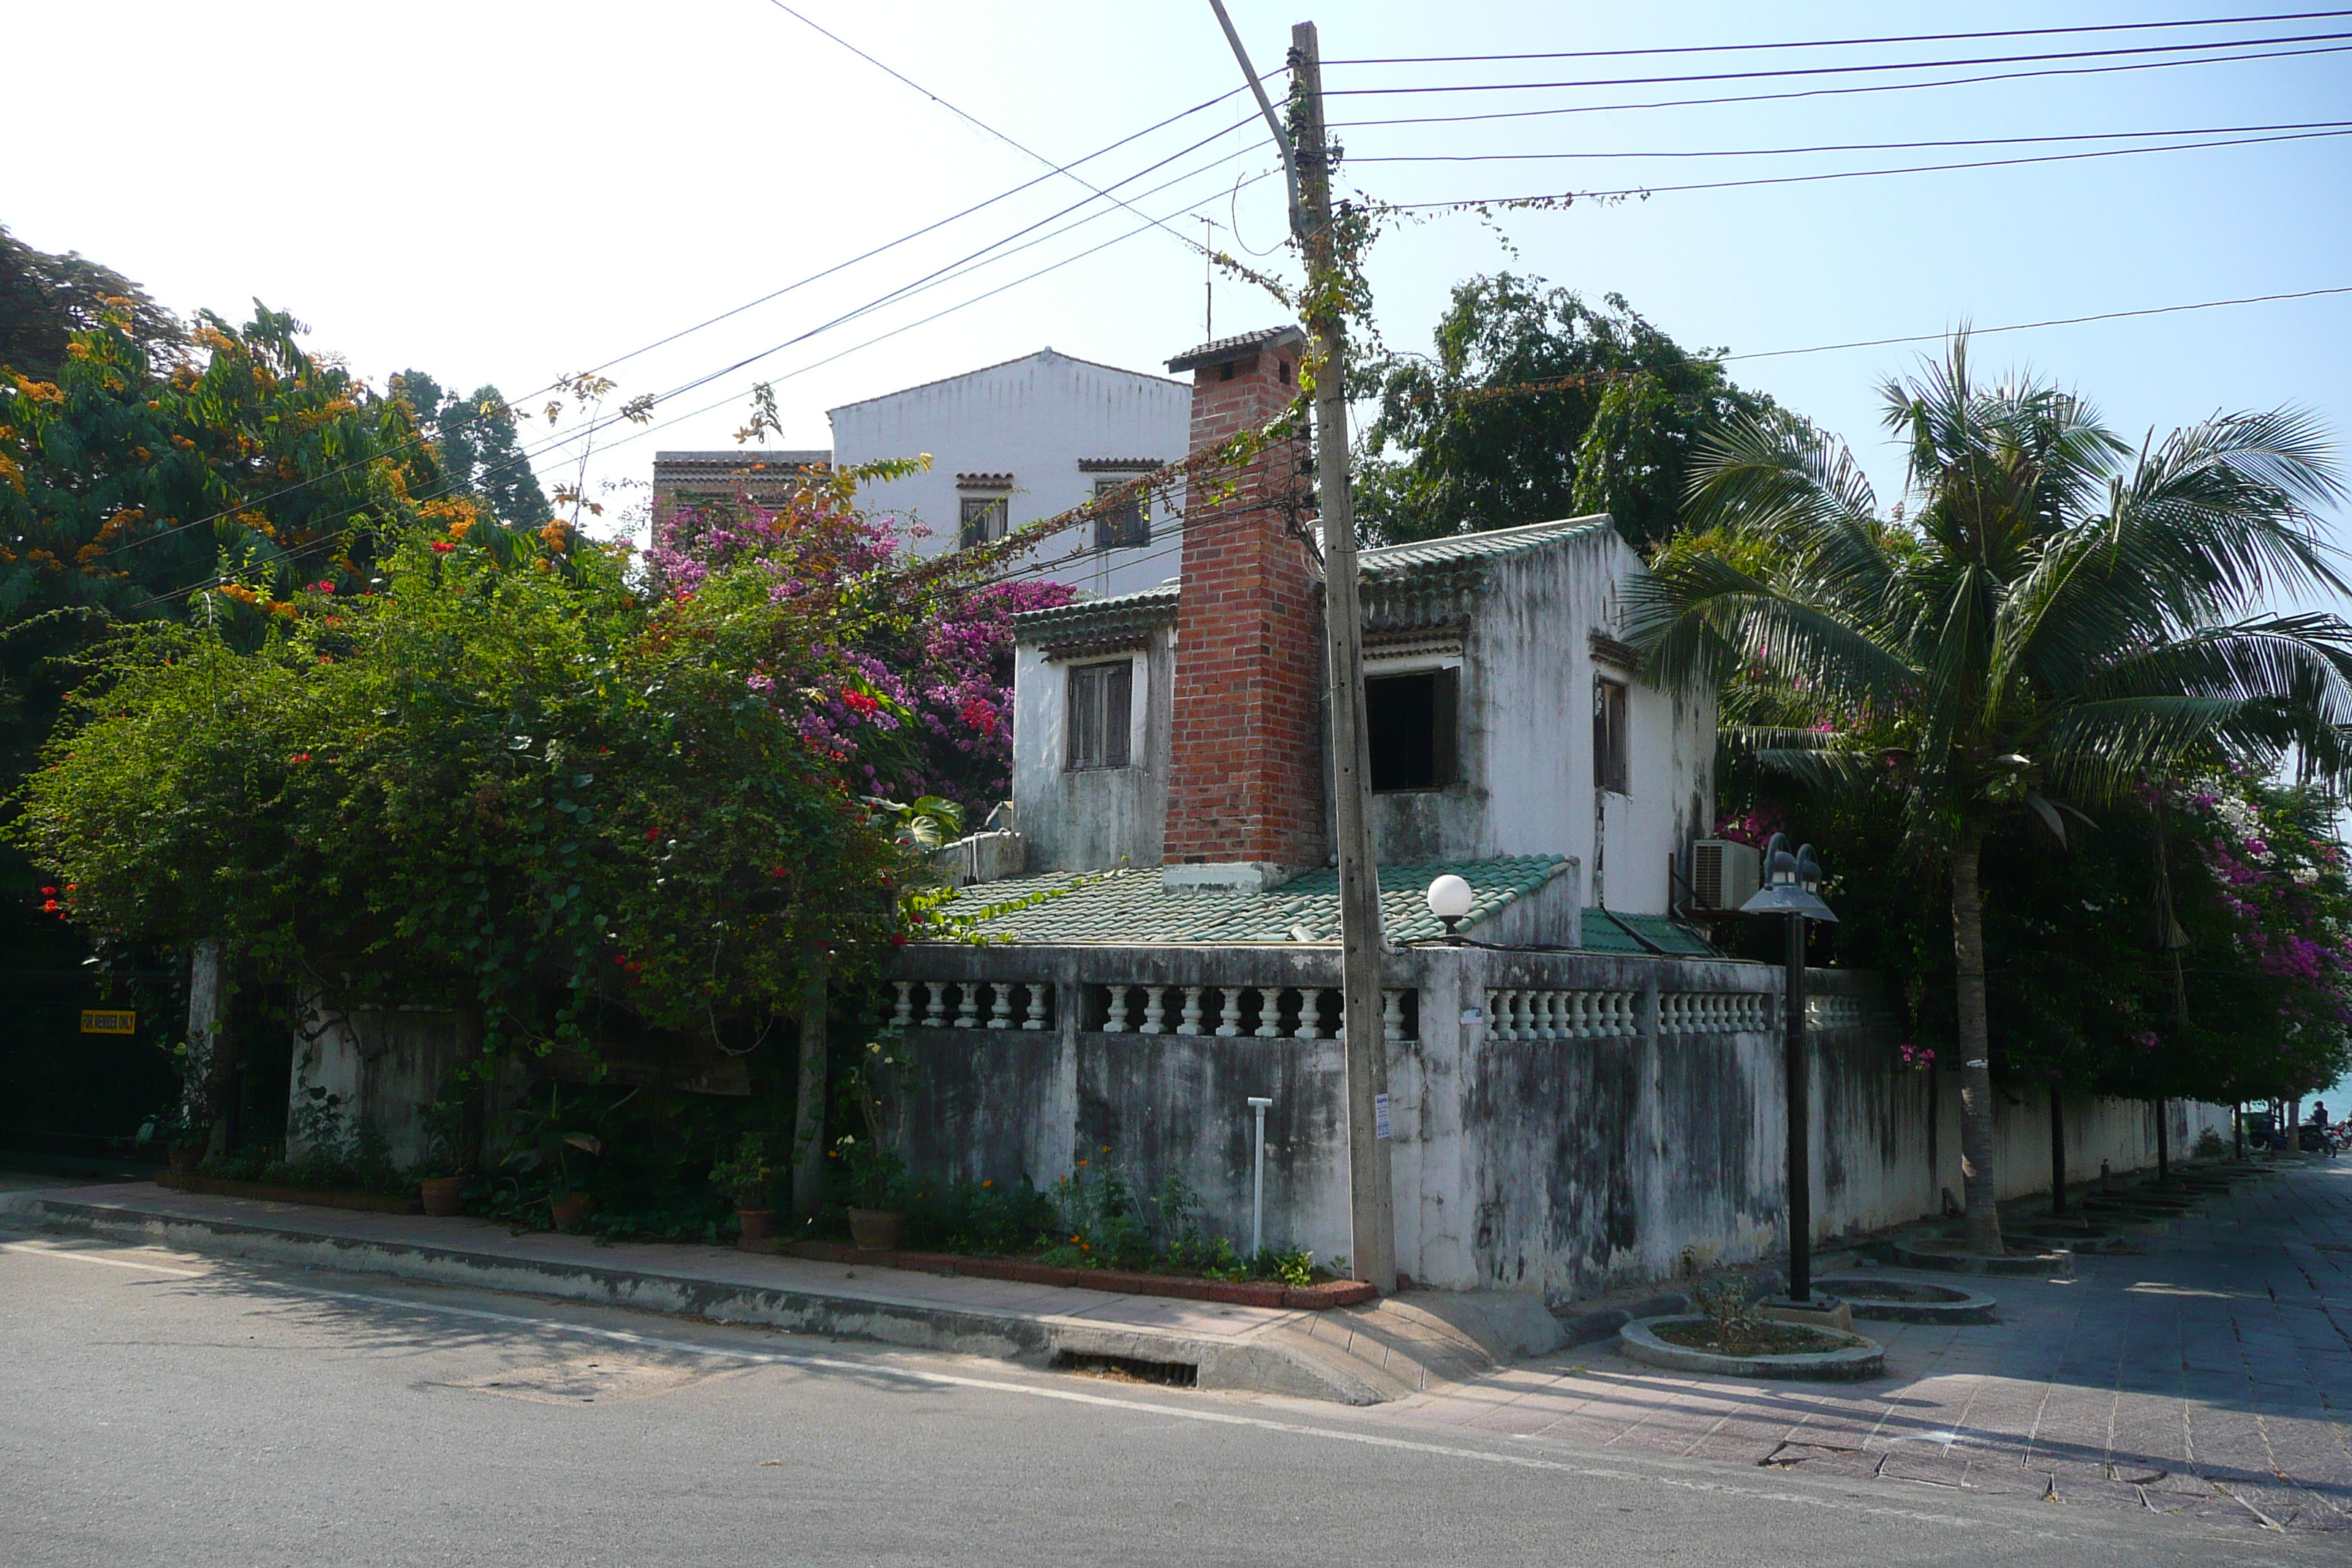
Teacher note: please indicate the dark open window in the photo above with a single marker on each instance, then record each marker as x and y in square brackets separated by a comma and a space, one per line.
[1411, 721]
[1102, 698]
[1124, 525]
[1612, 741]
[983, 519]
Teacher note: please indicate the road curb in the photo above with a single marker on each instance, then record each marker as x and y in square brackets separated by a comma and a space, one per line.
[1274, 1357]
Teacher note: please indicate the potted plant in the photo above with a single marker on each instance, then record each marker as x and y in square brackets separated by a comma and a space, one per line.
[183, 1137]
[441, 1175]
[744, 1179]
[876, 1223]
[873, 1086]
[547, 1140]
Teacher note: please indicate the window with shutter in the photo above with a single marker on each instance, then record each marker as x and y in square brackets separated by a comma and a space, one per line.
[1613, 744]
[1101, 698]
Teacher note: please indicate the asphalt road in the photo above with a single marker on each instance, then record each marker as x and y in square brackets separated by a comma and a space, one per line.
[160, 1408]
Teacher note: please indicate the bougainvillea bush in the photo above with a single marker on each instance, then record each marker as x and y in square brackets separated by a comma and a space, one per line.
[930, 711]
[495, 782]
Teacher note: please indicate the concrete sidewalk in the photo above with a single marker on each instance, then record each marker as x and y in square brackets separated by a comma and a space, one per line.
[2206, 1374]
[1357, 1355]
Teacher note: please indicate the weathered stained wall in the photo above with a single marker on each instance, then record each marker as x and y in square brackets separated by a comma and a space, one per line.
[1096, 817]
[1526, 786]
[1562, 1166]
[383, 1068]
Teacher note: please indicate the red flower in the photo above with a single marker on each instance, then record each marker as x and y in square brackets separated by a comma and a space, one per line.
[442, 547]
[48, 892]
[897, 939]
[777, 871]
[49, 908]
[859, 702]
[652, 834]
[299, 757]
[323, 586]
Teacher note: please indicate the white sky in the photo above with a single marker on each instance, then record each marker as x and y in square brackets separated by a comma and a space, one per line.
[508, 189]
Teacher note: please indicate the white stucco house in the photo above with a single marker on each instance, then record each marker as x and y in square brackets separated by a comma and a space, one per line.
[1009, 444]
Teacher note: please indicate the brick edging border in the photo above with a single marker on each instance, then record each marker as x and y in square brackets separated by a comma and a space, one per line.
[318, 1197]
[1251, 1294]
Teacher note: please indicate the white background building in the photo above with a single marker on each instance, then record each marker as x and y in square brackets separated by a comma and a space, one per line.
[1026, 439]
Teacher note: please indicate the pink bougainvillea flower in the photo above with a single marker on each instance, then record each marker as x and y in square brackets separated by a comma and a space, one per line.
[442, 547]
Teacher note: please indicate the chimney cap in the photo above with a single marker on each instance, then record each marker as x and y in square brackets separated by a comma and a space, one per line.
[1241, 346]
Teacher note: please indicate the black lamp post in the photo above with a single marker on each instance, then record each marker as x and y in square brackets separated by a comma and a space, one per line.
[1792, 887]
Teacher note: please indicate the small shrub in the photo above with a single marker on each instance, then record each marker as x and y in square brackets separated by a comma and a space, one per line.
[1735, 1321]
[2210, 1145]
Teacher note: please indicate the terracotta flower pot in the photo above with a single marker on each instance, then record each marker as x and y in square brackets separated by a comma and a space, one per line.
[755, 1223]
[444, 1195]
[876, 1230]
[569, 1210]
[184, 1162]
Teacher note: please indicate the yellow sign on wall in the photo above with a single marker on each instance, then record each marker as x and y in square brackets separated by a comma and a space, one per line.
[105, 1021]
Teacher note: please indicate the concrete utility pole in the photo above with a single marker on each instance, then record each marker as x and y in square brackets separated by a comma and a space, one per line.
[1307, 164]
[1374, 1205]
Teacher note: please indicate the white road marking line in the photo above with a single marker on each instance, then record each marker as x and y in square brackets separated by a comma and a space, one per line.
[1214, 1417]
[74, 1257]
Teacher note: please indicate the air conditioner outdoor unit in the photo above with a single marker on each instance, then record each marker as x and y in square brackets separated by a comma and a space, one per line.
[1723, 875]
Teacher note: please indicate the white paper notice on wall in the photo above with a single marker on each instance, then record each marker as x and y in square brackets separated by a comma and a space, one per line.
[1379, 1116]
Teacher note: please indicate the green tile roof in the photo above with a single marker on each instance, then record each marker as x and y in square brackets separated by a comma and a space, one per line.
[1130, 906]
[1605, 931]
[1464, 549]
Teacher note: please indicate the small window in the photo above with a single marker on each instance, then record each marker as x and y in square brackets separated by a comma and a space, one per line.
[1123, 526]
[1102, 698]
[1612, 743]
[1410, 721]
[983, 519]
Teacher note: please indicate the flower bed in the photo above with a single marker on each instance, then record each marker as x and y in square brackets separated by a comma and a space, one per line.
[1318, 1297]
[321, 1198]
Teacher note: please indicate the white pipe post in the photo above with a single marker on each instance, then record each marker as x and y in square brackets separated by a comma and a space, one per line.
[1257, 1181]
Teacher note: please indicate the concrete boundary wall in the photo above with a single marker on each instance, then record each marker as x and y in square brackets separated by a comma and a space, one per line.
[1563, 1123]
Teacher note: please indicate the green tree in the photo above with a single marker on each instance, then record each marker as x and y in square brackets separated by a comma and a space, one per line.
[474, 444]
[494, 785]
[45, 299]
[1476, 451]
[2050, 624]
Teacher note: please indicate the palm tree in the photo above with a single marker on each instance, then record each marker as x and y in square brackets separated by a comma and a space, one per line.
[2054, 622]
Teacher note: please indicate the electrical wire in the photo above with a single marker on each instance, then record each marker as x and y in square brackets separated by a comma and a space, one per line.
[981, 124]
[1480, 202]
[1864, 70]
[308, 549]
[903, 290]
[1845, 146]
[1823, 91]
[1846, 43]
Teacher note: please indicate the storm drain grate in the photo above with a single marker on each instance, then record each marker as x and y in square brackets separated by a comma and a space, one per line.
[1130, 1369]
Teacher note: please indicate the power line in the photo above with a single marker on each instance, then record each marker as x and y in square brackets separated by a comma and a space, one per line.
[1832, 70]
[902, 291]
[1846, 43]
[1827, 91]
[309, 548]
[2055, 322]
[1844, 146]
[1862, 173]
[975, 120]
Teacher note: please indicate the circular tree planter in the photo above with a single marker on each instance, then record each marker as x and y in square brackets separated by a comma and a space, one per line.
[1857, 1359]
[876, 1230]
[442, 1195]
[1950, 1255]
[1909, 1301]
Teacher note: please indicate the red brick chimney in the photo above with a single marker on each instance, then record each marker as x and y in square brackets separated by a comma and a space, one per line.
[1246, 773]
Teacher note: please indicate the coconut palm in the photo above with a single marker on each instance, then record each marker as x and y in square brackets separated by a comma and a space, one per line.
[2054, 622]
